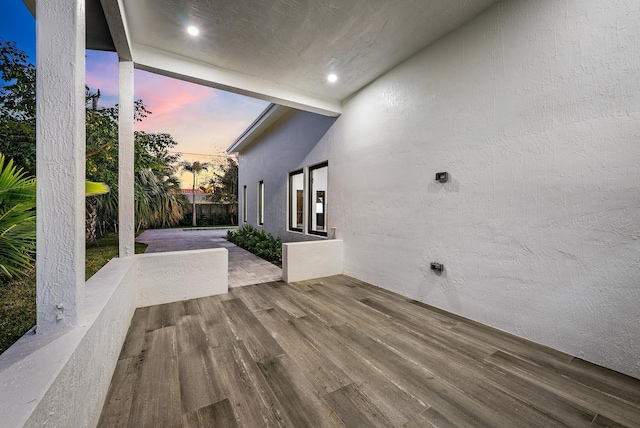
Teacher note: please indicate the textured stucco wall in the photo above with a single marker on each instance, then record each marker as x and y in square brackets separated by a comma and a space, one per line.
[309, 260]
[60, 159]
[61, 380]
[533, 109]
[181, 275]
[280, 151]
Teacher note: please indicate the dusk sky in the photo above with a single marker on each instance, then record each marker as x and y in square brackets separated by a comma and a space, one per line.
[202, 120]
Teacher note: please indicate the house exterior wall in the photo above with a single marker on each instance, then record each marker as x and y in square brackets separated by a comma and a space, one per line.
[280, 151]
[533, 109]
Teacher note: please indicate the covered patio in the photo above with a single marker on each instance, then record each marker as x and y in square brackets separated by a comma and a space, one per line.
[531, 108]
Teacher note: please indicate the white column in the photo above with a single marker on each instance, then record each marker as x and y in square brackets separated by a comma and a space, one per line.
[60, 148]
[126, 219]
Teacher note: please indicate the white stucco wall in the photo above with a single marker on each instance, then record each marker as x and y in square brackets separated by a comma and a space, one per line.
[280, 151]
[181, 275]
[533, 109]
[61, 380]
[314, 259]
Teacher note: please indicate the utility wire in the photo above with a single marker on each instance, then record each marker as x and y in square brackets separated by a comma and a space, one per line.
[202, 154]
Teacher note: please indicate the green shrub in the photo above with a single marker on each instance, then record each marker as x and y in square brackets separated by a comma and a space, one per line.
[17, 219]
[258, 242]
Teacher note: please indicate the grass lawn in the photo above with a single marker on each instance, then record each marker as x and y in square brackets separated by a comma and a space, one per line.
[18, 296]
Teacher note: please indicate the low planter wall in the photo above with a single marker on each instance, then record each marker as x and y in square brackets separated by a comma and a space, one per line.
[181, 275]
[311, 259]
[62, 379]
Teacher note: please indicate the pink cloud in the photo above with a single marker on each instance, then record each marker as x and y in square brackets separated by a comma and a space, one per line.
[201, 119]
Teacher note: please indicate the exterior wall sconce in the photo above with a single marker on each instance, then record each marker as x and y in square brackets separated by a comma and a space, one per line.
[442, 177]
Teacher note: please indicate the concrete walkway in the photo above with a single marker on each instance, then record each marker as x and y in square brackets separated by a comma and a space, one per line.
[244, 267]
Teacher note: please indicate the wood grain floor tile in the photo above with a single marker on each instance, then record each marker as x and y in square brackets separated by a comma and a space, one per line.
[355, 408]
[247, 327]
[214, 322]
[337, 352]
[316, 367]
[117, 406]
[296, 395]
[134, 341]
[200, 379]
[251, 397]
[217, 415]
[157, 393]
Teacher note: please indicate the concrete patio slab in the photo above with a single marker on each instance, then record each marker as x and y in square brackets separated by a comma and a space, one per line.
[245, 268]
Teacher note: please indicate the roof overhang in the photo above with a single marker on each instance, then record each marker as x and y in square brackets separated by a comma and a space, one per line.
[98, 36]
[266, 119]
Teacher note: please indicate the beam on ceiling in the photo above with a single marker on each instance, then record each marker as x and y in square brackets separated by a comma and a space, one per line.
[179, 67]
[117, 20]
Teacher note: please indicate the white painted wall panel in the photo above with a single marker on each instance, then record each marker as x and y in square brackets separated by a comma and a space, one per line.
[533, 108]
[181, 275]
[309, 260]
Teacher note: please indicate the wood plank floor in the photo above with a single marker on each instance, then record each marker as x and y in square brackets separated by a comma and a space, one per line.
[337, 352]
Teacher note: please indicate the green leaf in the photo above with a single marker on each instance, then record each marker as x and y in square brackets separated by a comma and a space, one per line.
[92, 188]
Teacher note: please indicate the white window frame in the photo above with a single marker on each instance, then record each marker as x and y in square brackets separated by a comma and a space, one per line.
[292, 204]
[312, 209]
[261, 203]
[244, 203]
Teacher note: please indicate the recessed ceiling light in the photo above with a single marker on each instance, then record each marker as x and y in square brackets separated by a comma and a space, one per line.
[332, 78]
[193, 30]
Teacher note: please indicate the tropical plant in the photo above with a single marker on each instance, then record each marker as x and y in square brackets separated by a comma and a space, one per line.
[152, 151]
[194, 168]
[223, 188]
[258, 242]
[158, 201]
[17, 219]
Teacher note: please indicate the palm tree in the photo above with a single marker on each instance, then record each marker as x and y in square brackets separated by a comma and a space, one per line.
[17, 219]
[194, 168]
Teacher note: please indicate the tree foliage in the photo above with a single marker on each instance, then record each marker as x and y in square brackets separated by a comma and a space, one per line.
[17, 106]
[194, 168]
[17, 219]
[223, 187]
[158, 201]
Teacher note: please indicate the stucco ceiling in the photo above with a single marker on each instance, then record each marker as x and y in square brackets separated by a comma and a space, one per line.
[296, 43]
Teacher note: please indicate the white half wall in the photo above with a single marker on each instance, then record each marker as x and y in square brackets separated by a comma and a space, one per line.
[62, 380]
[310, 260]
[181, 275]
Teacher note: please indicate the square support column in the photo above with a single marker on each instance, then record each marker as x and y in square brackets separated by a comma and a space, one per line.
[126, 153]
[60, 156]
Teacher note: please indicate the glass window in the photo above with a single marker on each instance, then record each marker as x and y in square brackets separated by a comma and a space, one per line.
[296, 203]
[244, 204]
[318, 180]
[261, 202]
